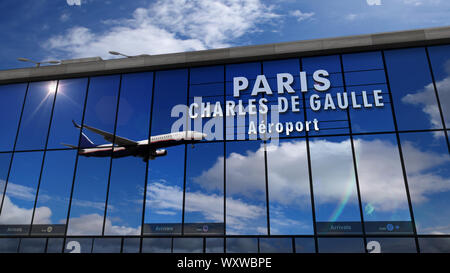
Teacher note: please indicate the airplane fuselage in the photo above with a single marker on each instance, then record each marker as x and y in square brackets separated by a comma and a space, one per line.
[147, 149]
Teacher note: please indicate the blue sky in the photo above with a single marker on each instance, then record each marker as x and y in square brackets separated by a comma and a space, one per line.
[65, 29]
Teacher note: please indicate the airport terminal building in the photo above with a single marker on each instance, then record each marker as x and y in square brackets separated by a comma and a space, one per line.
[319, 146]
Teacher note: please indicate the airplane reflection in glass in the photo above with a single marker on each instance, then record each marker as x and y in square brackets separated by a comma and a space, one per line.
[121, 147]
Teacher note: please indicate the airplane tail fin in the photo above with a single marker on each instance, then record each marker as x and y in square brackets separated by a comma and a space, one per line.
[85, 142]
[75, 124]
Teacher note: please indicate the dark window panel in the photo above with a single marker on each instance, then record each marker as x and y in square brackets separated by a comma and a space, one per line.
[107, 245]
[188, 245]
[156, 245]
[32, 245]
[69, 105]
[36, 116]
[9, 245]
[78, 245]
[434, 245]
[242, 245]
[341, 245]
[362, 61]
[427, 165]
[412, 89]
[11, 101]
[207, 74]
[392, 245]
[131, 245]
[275, 245]
[305, 245]
[214, 245]
[246, 211]
[55, 245]
[289, 188]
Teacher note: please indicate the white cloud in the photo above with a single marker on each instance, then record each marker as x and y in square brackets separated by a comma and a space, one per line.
[73, 2]
[13, 214]
[64, 17]
[351, 16]
[426, 99]
[168, 26]
[373, 2]
[91, 224]
[301, 16]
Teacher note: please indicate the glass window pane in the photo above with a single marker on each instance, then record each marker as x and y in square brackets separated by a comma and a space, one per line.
[391, 245]
[11, 101]
[32, 245]
[69, 105]
[131, 245]
[440, 62]
[214, 245]
[78, 245]
[305, 245]
[383, 194]
[36, 116]
[156, 245]
[275, 245]
[20, 194]
[89, 195]
[107, 245]
[289, 191]
[330, 121]
[341, 245]
[335, 192]
[9, 245]
[188, 245]
[204, 189]
[412, 89]
[54, 193]
[124, 215]
[434, 245]
[246, 211]
[55, 245]
[5, 160]
[164, 204]
[242, 245]
[362, 61]
[427, 164]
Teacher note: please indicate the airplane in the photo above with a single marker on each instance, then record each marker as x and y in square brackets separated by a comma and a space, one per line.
[122, 147]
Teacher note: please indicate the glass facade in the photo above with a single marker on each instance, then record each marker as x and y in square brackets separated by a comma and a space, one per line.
[374, 178]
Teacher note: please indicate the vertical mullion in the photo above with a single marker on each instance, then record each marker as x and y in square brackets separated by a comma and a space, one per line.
[185, 151]
[266, 174]
[224, 162]
[76, 165]
[43, 157]
[311, 187]
[14, 147]
[111, 156]
[405, 178]
[358, 190]
[146, 170]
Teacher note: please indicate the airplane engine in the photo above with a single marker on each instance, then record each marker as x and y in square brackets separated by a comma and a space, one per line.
[160, 152]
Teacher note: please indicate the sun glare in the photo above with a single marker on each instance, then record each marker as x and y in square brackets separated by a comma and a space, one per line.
[51, 88]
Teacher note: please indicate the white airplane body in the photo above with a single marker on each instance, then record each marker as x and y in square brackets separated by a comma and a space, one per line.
[121, 147]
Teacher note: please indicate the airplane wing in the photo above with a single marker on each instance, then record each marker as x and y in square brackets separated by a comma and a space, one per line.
[121, 141]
